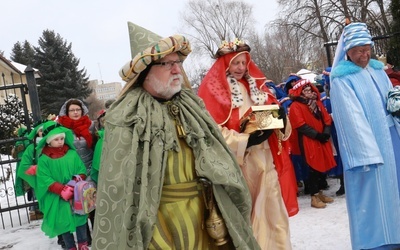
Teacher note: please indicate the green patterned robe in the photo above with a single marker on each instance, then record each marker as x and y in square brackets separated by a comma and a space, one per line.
[138, 136]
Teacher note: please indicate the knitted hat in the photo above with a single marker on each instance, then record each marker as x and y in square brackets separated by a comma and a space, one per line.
[356, 34]
[52, 129]
[148, 47]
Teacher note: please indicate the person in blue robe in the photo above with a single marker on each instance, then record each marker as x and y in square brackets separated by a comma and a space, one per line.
[368, 141]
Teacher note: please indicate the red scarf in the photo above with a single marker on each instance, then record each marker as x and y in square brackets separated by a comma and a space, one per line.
[55, 153]
[80, 127]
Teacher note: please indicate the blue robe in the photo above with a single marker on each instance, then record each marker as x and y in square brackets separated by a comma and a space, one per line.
[338, 170]
[367, 138]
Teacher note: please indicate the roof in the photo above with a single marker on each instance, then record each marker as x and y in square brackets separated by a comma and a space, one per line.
[22, 67]
[17, 68]
[6, 63]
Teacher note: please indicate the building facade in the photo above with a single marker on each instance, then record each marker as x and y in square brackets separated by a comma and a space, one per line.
[105, 91]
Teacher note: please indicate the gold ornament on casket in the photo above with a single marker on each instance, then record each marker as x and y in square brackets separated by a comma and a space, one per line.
[261, 117]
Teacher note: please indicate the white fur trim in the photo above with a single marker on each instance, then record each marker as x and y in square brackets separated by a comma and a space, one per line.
[52, 137]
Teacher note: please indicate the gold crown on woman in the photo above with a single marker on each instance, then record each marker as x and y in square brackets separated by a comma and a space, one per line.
[236, 45]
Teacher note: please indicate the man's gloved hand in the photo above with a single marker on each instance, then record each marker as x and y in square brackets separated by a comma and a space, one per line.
[327, 136]
[327, 131]
[67, 193]
[258, 137]
[322, 137]
[282, 113]
[31, 170]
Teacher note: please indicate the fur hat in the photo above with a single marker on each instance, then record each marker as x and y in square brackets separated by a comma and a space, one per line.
[148, 47]
[52, 129]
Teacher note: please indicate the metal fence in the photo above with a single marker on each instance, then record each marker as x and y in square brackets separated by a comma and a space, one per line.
[14, 211]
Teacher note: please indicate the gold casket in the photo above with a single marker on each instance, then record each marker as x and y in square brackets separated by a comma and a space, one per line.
[261, 117]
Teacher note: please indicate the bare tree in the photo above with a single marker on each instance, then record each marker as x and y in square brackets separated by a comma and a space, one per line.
[209, 22]
[94, 106]
[321, 21]
[279, 52]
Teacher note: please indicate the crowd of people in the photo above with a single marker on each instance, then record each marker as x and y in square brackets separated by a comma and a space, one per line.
[59, 150]
[222, 169]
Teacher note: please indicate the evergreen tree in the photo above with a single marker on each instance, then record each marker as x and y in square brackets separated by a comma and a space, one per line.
[23, 54]
[12, 115]
[61, 79]
[393, 56]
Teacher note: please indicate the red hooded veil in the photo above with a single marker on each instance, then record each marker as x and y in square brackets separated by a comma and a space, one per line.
[216, 94]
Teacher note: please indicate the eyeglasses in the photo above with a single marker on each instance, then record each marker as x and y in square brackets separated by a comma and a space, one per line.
[362, 51]
[168, 65]
[74, 110]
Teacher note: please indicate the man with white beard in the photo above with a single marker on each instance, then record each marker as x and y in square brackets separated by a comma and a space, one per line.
[162, 154]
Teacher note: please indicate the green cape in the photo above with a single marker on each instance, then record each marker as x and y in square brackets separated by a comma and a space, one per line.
[138, 136]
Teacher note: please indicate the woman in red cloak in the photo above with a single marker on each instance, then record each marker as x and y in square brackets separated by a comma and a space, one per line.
[234, 84]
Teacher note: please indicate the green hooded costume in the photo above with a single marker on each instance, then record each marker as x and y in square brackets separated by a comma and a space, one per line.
[58, 216]
[30, 156]
[20, 147]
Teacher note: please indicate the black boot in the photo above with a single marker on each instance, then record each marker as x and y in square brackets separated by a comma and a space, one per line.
[60, 241]
[341, 189]
[322, 182]
[306, 187]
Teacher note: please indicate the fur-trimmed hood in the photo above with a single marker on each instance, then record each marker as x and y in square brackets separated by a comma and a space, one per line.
[347, 68]
[63, 109]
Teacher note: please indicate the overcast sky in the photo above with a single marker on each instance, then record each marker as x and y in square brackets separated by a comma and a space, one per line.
[98, 29]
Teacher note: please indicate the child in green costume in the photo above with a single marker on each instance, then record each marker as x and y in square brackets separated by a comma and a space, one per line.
[57, 167]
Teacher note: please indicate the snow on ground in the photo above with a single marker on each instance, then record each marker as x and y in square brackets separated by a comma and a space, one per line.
[311, 228]
[327, 229]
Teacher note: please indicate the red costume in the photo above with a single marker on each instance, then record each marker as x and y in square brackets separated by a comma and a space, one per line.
[318, 155]
[217, 95]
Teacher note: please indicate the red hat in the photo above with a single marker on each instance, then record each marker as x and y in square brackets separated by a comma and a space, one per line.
[299, 86]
